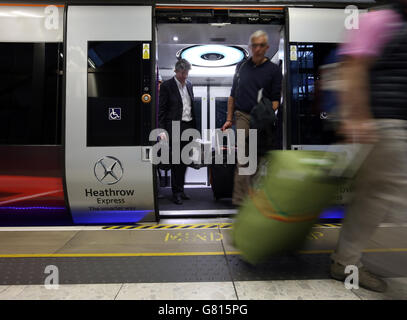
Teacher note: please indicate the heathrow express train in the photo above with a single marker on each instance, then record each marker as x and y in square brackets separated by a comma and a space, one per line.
[78, 98]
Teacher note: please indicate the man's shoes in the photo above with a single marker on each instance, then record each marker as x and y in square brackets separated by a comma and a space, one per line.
[367, 279]
[176, 198]
[184, 196]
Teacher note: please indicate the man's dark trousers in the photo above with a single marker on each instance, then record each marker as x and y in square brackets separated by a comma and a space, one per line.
[178, 170]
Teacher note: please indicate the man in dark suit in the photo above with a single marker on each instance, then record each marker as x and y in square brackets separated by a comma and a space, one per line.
[176, 103]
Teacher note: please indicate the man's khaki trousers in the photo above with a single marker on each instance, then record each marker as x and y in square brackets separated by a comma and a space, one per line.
[242, 182]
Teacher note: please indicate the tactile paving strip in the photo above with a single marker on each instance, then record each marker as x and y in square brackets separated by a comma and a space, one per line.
[282, 267]
[208, 268]
[23, 271]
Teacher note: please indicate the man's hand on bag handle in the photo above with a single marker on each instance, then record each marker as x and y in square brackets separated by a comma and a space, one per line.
[229, 116]
[163, 136]
[228, 124]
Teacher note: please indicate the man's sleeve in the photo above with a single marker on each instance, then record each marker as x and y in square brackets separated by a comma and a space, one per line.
[276, 84]
[163, 106]
[375, 30]
[191, 87]
[233, 91]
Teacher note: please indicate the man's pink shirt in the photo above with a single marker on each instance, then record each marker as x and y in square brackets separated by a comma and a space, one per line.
[375, 31]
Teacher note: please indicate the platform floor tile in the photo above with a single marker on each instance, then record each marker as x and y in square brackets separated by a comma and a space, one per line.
[34, 241]
[294, 290]
[242, 290]
[63, 292]
[178, 291]
[144, 241]
[397, 290]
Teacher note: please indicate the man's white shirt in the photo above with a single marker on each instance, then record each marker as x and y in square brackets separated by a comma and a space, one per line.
[186, 101]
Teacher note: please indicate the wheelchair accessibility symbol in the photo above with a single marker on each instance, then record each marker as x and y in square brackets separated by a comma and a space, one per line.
[115, 113]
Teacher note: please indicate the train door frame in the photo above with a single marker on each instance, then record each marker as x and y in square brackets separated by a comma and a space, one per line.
[300, 33]
[286, 25]
[217, 90]
[148, 203]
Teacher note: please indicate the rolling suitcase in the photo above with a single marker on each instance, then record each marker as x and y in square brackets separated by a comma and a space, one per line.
[221, 177]
[286, 202]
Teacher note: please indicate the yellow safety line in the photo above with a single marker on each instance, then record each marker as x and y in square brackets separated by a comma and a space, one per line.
[386, 250]
[165, 227]
[164, 254]
[193, 226]
[315, 251]
[75, 255]
[168, 226]
[156, 226]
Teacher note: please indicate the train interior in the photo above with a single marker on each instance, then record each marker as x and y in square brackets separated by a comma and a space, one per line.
[212, 78]
[212, 85]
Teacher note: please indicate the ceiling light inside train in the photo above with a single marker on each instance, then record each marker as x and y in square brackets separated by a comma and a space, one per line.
[213, 55]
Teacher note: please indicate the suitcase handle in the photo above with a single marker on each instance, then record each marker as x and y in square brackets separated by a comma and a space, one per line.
[220, 146]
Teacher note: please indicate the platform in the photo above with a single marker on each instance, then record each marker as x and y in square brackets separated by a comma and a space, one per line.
[184, 259]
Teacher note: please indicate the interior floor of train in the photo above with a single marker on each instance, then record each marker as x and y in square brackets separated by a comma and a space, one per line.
[202, 203]
[185, 259]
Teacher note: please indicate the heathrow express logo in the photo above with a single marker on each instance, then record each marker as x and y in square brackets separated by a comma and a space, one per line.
[108, 170]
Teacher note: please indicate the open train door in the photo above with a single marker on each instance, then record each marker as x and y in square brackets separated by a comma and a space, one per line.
[109, 99]
[313, 38]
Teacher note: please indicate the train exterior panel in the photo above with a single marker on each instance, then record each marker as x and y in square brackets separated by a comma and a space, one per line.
[50, 92]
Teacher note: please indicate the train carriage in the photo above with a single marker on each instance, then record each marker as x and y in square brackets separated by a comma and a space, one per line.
[78, 97]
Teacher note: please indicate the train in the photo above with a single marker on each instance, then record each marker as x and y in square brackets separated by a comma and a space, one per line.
[78, 98]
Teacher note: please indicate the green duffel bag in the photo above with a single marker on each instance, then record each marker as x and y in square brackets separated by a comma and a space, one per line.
[286, 201]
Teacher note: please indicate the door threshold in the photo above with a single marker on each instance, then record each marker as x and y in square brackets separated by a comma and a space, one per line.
[197, 213]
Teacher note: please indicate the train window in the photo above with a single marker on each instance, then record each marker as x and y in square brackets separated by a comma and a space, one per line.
[221, 105]
[30, 93]
[307, 125]
[114, 99]
[198, 114]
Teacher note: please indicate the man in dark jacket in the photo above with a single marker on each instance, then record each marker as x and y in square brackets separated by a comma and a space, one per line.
[176, 103]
